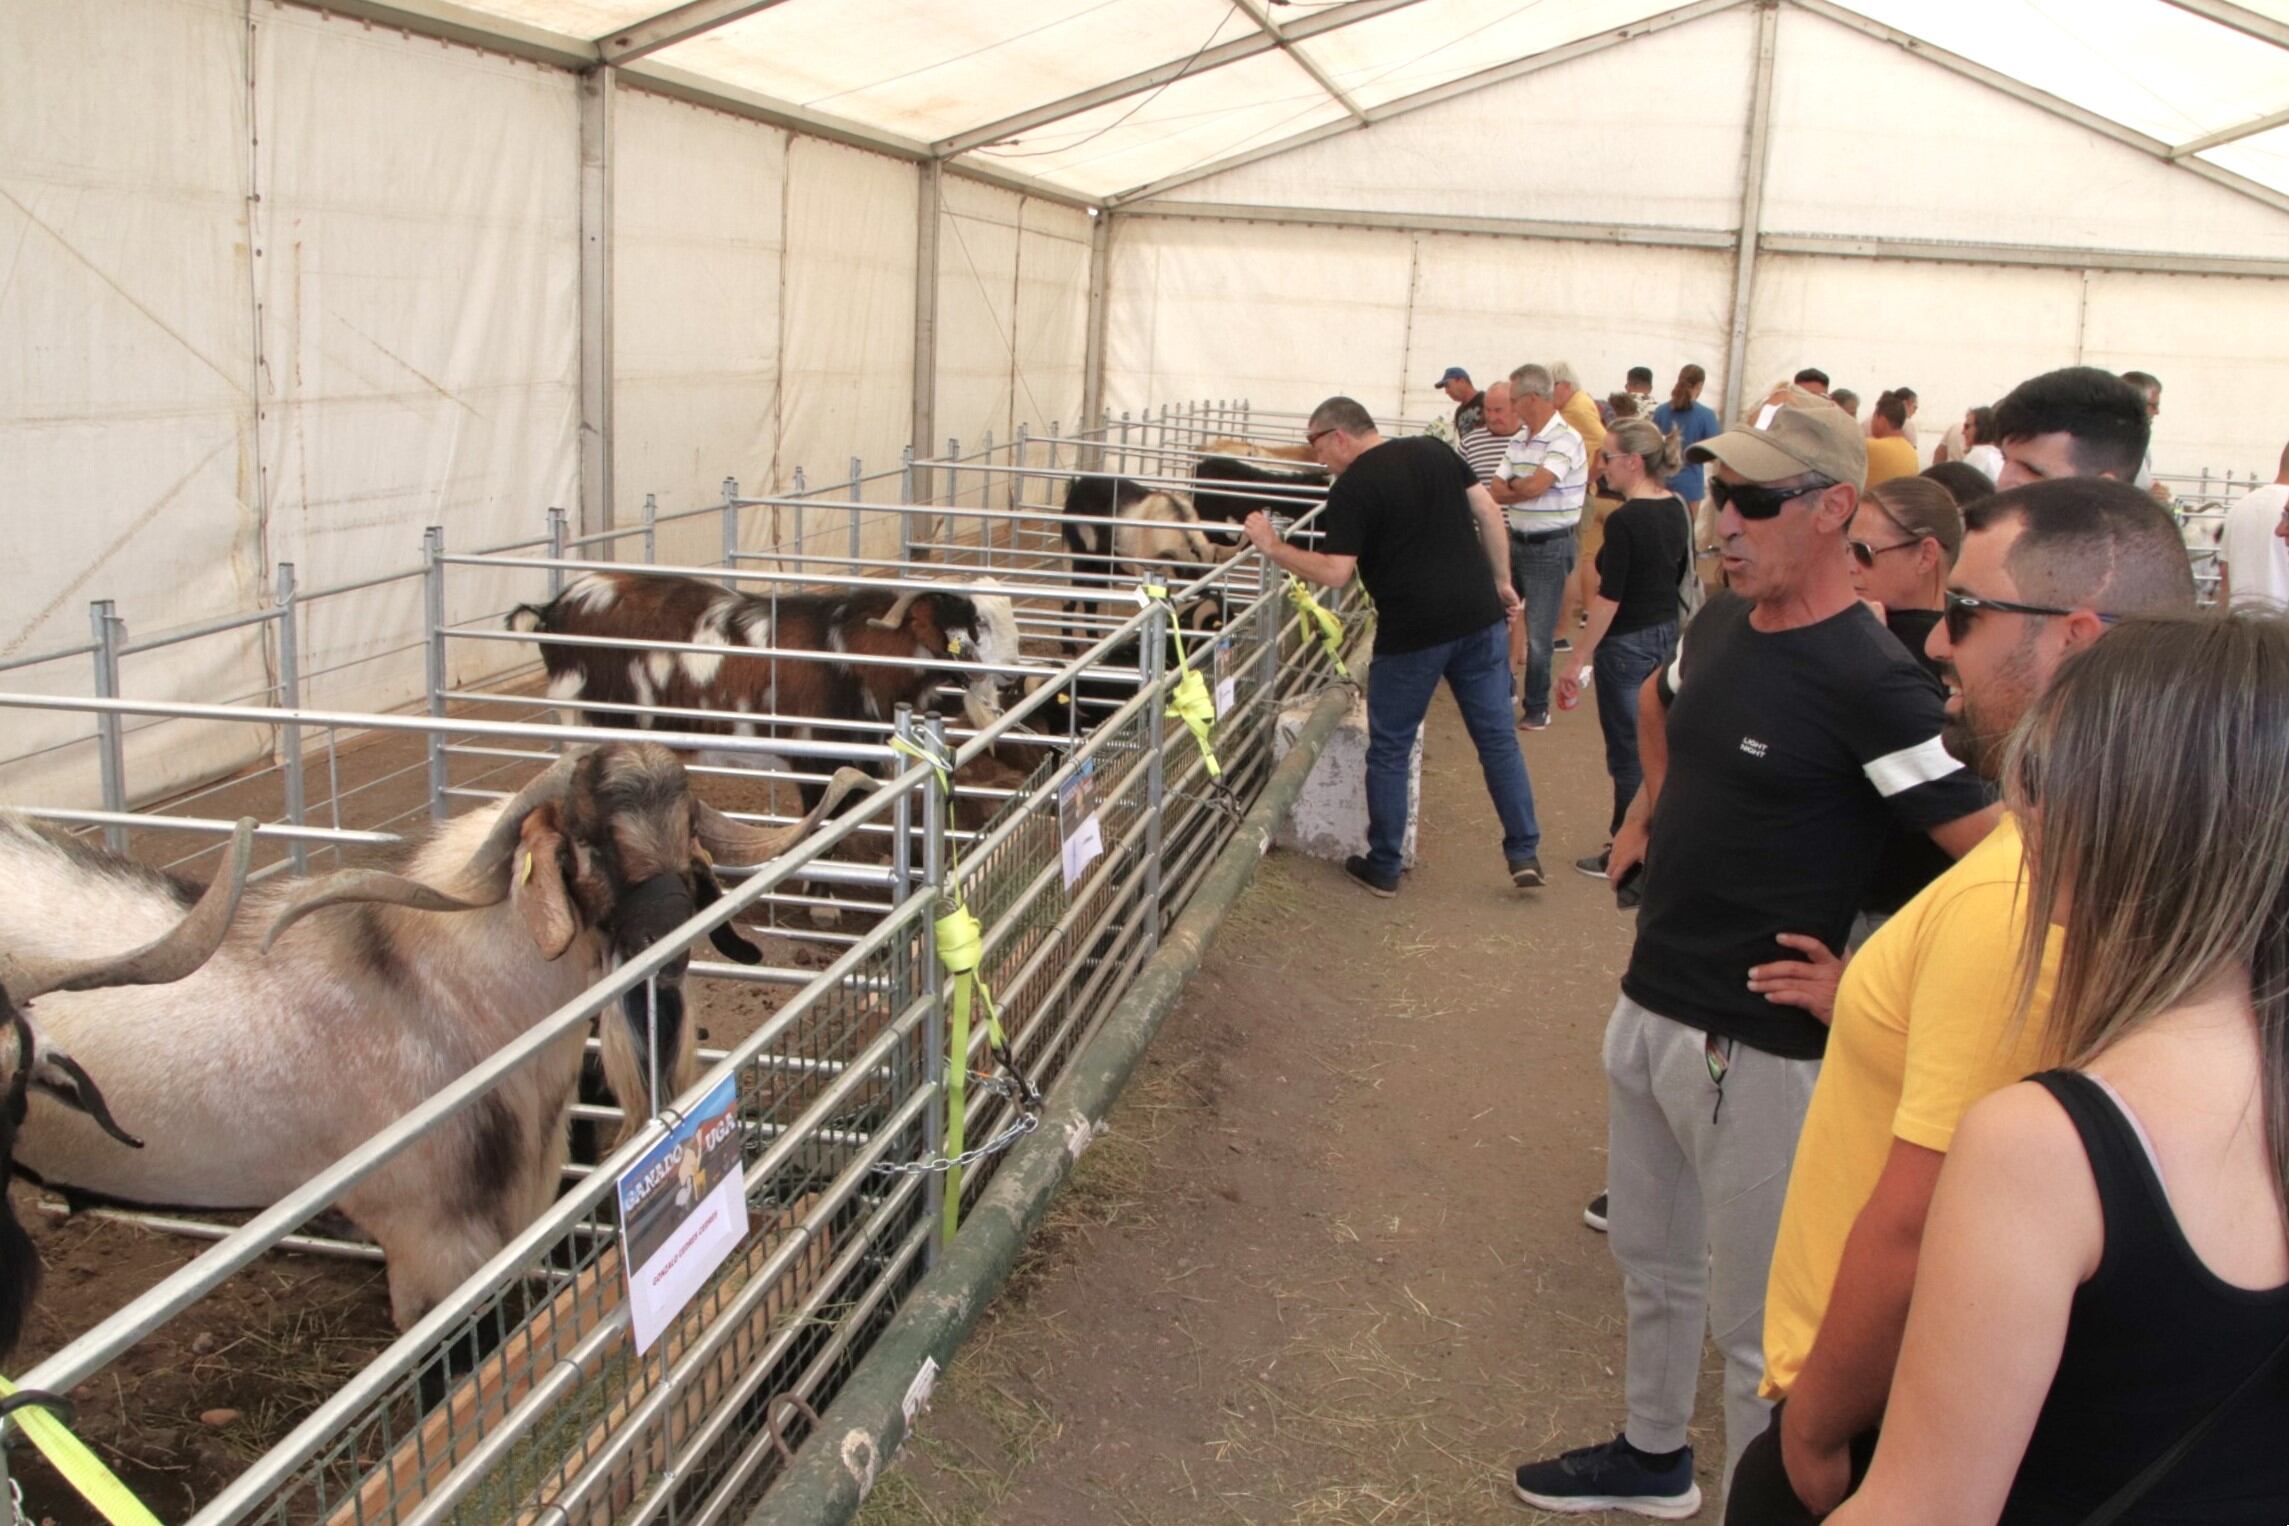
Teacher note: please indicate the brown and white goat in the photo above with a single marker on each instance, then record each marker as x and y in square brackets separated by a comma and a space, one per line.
[371, 991]
[925, 626]
[42, 1065]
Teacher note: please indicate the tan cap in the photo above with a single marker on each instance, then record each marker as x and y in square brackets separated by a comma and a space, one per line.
[1796, 432]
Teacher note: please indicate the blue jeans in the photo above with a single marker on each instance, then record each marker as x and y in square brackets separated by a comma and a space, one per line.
[1618, 668]
[1399, 690]
[1538, 570]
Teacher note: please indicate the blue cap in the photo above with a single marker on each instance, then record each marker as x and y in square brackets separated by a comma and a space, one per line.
[1453, 373]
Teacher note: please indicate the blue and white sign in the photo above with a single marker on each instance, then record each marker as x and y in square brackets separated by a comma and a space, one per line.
[683, 1210]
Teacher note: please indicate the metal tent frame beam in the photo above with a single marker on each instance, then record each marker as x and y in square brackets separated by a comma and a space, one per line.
[670, 27]
[2043, 100]
[1218, 57]
[2242, 19]
[1755, 155]
[1413, 222]
[1469, 84]
[1302, 61]
[2248, 129]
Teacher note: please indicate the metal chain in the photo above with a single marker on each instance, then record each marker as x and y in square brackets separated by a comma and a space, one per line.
[1025, 1123]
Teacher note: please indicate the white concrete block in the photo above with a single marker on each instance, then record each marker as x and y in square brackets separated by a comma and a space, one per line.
[1330, 816]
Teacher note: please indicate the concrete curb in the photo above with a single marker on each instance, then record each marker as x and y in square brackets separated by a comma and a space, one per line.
[867, 1423]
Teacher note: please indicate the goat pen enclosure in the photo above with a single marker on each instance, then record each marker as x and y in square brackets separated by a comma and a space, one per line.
[521, 1395]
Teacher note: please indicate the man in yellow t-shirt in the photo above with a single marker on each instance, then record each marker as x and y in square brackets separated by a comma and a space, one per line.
[1890, 453]
[1923, 1018]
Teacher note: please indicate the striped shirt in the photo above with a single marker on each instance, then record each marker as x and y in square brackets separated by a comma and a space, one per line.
[1558, 447]
[1484, 452]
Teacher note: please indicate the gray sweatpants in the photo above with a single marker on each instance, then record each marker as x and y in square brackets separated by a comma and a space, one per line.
[1696, 1178]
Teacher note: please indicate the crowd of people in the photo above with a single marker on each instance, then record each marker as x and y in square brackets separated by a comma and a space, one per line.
[1948, 1078]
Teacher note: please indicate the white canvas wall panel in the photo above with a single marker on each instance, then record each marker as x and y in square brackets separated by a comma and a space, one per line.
[1960, 335]
[697, 275]
[1052, 315]
[126, 377]
[417, 259]
[1280, 316]
[1867, 140]
[2216, 344]
[1491, 304]
[977, 310]
[847, 356]
[1648, 132]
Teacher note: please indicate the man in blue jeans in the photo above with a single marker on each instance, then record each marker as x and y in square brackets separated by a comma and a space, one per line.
[1410, 518]
[1541, 486]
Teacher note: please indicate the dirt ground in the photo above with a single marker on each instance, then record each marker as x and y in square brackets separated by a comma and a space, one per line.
[1329, 1265]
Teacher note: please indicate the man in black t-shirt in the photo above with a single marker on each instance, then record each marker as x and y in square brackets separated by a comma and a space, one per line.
[1787, 741]
[1410, 518]
[1469, 402]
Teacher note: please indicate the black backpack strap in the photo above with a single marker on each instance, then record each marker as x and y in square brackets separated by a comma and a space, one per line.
[2127, 1497]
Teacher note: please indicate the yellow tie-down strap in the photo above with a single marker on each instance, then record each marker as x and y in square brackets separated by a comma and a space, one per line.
[1188, 700]
[1317, 616]
[81, 1468]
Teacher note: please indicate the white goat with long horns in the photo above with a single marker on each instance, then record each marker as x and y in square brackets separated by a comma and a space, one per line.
[372, 990]
[43, 1067]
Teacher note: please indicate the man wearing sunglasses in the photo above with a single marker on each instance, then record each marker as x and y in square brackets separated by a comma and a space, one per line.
[1923, 1018]
[1788, 741]
[1410, 520]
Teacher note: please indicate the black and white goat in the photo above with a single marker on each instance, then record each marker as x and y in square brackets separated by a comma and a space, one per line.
[925, 626]
[371, 991]
[1246, 488]
[1102, 549]
[41, 1066]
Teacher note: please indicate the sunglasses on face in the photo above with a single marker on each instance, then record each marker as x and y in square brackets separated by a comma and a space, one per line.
[1316, 436]
[1753, 500]
[1964, 608]
[1866, 555]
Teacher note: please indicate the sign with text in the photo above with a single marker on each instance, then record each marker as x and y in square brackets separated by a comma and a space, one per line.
[1080, 835]
[683, 1210]
[1225, 681]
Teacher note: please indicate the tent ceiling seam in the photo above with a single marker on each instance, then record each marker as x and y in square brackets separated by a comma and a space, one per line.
[669, 27]
[2223, 136]
[1302, 60]
[2237, 17]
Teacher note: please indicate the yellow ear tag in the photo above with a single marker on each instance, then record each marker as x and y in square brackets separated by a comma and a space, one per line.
[953, 646]
[526, 877]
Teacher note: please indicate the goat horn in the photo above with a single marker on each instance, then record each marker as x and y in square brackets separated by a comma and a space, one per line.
[736, 842]
[481, 881]
[175, 954]
[896, 617]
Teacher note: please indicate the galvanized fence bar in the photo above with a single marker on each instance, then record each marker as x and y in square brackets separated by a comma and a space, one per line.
[111, 752]
[290, 698]
[433, 615]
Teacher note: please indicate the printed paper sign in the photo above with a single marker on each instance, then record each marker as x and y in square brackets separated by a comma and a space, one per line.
[1081, 836]
[683, 1210]
[1227, 682]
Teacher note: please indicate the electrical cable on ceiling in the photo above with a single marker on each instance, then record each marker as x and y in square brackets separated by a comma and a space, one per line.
[1149, 98]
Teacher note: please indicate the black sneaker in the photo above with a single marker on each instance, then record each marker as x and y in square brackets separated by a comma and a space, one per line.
[1594, 1214]
[1526, 874]
[1612, 1476]
[1364, 874]
[1594, 865]
[1535, 720]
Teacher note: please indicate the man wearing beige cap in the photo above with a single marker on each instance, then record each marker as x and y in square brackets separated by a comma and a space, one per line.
[1789, 739]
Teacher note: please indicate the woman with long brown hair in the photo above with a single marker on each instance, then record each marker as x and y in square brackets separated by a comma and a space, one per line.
[2100, 1328]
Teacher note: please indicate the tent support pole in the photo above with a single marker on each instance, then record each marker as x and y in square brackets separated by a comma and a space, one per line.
[598, 88]
[1093, 354]
[1753, 160]
[928, 210]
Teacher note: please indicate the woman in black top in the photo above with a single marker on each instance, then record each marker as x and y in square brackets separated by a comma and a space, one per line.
[2101, 1311]
[1904, 538]
[1633, 618]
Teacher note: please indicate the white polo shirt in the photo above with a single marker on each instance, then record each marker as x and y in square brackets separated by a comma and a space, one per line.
[1557, 446]
[2253, 556]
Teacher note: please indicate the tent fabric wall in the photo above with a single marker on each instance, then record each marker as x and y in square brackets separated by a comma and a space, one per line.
[416, 261]
[2216, 344]
[698, 267]
[1648, 132]
[1052, 316]
[848, 318]
[126, 382]
[977, 309]
[1285, 316]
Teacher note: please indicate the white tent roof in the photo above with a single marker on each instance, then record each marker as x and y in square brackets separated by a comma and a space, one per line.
[1101, 98]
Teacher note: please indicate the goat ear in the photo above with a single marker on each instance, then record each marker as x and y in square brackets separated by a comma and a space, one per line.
[536, 883]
